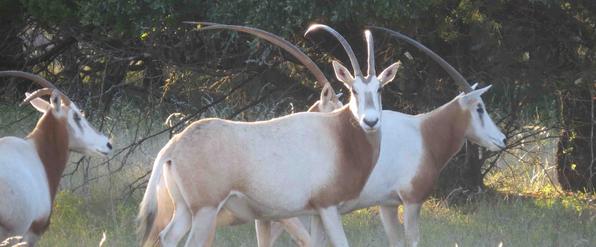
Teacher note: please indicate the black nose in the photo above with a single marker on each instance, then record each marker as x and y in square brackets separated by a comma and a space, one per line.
[505, 141]
[371, 123]
[109, 145]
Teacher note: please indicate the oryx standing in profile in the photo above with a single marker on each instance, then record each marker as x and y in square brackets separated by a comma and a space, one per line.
[31, 168]
[303, 163]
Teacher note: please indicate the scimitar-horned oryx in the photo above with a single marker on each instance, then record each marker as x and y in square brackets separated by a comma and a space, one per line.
[414, 150]
[31, 167]
[151, 224]
[303, 163]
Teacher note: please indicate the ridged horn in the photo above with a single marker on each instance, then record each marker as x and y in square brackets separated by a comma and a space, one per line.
[274, 39]
[39, 93]
[39, 80]
[457, 77]
[343, 42]
[370, 45]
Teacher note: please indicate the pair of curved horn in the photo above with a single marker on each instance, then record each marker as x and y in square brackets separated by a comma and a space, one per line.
[349, 51]
[457, 77]
[47, 89]
[274, 39]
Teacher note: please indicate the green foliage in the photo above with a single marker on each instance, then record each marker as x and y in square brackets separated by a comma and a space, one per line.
[51, 11]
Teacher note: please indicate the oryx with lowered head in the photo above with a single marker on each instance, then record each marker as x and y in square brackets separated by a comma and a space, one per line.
[31, 167]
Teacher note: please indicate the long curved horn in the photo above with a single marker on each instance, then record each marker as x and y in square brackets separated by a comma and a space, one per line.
[37, 79]
[33, 77]
[276, 40]
[371, 53]
[457, 77]
[39, 93]
[343, 42]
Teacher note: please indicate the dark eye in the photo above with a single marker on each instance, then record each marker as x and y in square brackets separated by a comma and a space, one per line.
[379, 90]
[480, 110]
[76, 117]
[354, 92]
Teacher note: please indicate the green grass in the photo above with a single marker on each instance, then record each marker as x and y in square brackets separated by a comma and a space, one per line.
[486, 220]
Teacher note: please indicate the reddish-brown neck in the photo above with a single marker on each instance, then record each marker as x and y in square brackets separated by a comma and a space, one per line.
[443, 132]
[357, 153]
[51, 140]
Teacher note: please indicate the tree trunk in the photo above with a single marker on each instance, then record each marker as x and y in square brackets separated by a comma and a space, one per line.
[11, 51]
[464, 171]
[575, 152]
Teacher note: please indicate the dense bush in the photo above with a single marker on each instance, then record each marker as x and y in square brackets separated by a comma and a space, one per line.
[539, 55]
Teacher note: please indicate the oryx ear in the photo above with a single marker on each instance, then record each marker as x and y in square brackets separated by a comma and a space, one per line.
[336, 98]
[39, 104]
[472, 98]
[474, 86]
[389, 74]
[484, 89]
[326, 94]
[343, 74]
[56, 101]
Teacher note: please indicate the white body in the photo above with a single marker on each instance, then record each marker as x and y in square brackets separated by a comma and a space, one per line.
[264, 170]
[397, 164]
[23, 184]
[292, 188]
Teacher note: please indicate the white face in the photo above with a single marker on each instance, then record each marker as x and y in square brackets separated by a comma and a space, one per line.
[83, 138]
[482, 130]
[365, 98]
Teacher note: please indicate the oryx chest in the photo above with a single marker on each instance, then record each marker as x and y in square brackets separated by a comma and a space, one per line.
[398, 164]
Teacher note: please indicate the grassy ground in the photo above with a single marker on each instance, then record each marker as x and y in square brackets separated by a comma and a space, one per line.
[486, 220]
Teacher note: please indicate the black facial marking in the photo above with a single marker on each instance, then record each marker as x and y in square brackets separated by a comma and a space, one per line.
[77, 119]
[480, 111]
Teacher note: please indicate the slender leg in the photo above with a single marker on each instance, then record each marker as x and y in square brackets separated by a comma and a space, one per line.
[297, 230]
[276, 230]
[411, 214]
[391, 224]
[263, 228]
[332, 224]
[178, 226]
[318, 238]
[181, 220]
[211, 238]
[202, 223]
